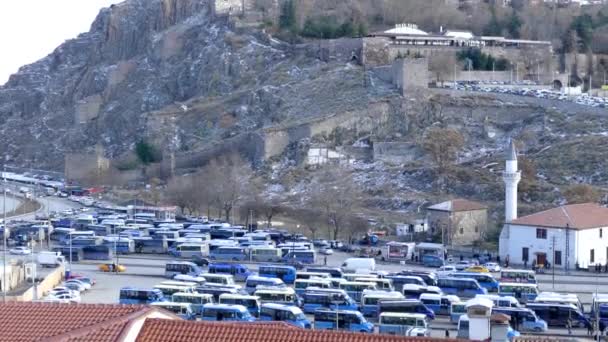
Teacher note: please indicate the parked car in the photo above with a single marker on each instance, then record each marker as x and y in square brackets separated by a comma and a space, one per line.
[326, 251]
[200, 261]
[446, 270]
[112, 268]
[20, 251]
[86, 285]
[462, 265]
[478, 269]
[62, 289]
[75, 286]
[63, 298]
[492, 266]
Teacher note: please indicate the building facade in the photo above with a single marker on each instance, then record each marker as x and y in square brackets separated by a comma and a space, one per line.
[568, 236]
[460, 222]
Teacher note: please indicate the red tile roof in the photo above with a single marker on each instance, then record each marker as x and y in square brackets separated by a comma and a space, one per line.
[34, 321]
[575, 216]
[458, 204]
[158, 330]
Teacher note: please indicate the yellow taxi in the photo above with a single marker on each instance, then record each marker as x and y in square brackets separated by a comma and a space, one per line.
[477, 269]
[112, 268]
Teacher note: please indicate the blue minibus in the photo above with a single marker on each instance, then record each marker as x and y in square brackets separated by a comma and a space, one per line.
[523, 292]
[461, 287]
[286, 296]
[303, 256]
[432, 261]
[232, 253]
[253, 282]
[252, 303]
[308, 275]
[517, 276]
[334, 272]
[456, 310]
[183, 310]
[370, 299]
[173, 268]
[355, 288]
[560, 314]
[217, 290]
[238, 271]
[265, 254]
[348, 320]
[314, 299]
[226, 312]
[132, 295]
[284, 313]
[486, 280]
[405, 306]
[285, 273]
[413, 291]
[403, 324]
[400, 280]
[523, 319]
[429, 277]
[300, 285]
[440, 304]
[196, 300]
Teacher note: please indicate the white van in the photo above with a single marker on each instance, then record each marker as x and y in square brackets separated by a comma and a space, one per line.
[50, 259]
[359, 265]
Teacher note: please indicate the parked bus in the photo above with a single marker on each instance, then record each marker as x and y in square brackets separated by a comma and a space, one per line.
[309, 275]
[413, 291]
[284, 313]
[348, 320]
[170, 290]
[188, 285]
[173, 268]
[405, 306]
[252, 303]
[183, 310]
[190, 250]
[226, 312]
[286, 296]
[99, 230]
[265, 254]
[461, 287]
[404, 324]
[517, 276]
[197, 300]
[440, 304]
[560, 314]
[523, 319]
[456, 310]
[599, 309]
[462, 332]
[285, 273]
[353, 276]
[303, 256]
[216, 290]
[399, 281]
[132, 295]
[148, 244]
[334, 272]
[355, 288]
[229, 253]
[335, 282]
[486, 280]
[559, 298]
[523, 292]
[382, 284]
[300, 285]
[238, 271]
[370, 299]
[502, 301]
[184, 277]
[332, 299]
[216, 278]
[252, 283]
[120, 244]
[97, 252]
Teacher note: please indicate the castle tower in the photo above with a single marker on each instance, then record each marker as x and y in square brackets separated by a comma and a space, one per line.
[511, 177]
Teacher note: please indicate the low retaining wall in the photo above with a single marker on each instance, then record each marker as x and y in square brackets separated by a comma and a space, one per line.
[49, 282]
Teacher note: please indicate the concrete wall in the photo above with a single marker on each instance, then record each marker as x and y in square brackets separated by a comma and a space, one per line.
[502, 76]
[410, 74]
[397, 152]
[87, 109]
[375, 51]
[83, 166]
[228, 7]
[343, 49]
[460, 228]
[49, 282]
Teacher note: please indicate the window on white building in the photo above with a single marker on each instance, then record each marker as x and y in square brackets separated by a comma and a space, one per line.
[558, 258]
[541, 233]
[524, 254]
[592, 256]
[601, 233]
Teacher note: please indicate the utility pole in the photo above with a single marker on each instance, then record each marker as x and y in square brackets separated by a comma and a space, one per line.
[4, 232]
[553, 269]
[454, 76]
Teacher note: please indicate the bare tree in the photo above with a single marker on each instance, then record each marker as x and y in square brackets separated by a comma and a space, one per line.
[182, 193]
[337, 195]
[582, 193]
[443, 144]
[311, 219]
[444, 66]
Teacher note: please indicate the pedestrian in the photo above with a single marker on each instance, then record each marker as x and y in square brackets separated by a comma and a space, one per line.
[569, 326]
[498, 259]
[461, 257]
[325, 261]
[590, 328]
[447, 333]
[526, 264]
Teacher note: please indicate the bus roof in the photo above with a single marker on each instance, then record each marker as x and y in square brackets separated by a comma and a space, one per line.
[517, 270]
[382, 294]
[355, 282]
[348, 312]
[178, 283]
[293, 309]
[518, 284]
[259, 278]
[313, 289]
[432, 296]
[238, 296]
[237, 307]
[193, 294]
[162, 304]
[403, 315]
[181, 262]
[269, 289]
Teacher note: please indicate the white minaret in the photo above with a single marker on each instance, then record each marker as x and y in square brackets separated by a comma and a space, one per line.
[511, 176]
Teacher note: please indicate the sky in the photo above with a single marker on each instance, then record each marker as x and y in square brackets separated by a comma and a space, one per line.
[32, 29]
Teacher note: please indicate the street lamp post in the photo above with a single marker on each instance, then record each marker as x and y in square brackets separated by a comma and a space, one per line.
[4, 232]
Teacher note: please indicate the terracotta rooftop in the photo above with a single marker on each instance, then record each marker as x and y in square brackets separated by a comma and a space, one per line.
[36, 321]
[159, 330]
[458, 204]
[575, 216]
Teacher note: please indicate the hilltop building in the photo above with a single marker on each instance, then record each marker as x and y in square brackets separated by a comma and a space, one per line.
[460, 222]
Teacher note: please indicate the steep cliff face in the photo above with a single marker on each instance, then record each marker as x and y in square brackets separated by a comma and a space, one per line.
[167, 70]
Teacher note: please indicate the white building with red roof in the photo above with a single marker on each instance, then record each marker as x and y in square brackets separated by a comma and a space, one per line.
[566, 235]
